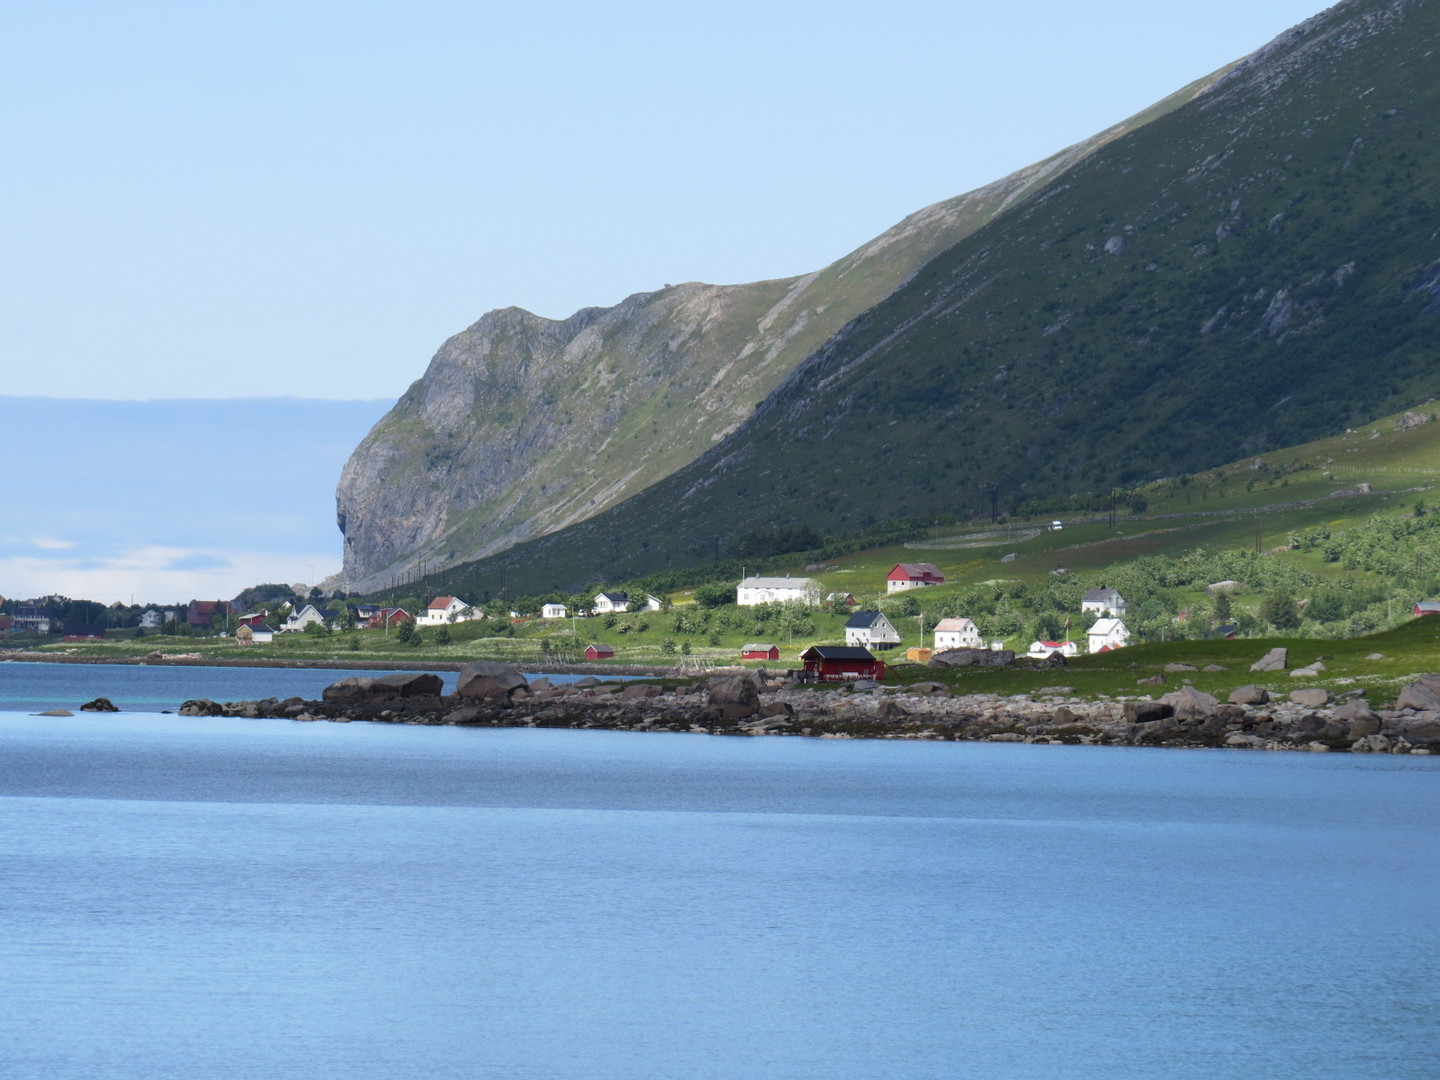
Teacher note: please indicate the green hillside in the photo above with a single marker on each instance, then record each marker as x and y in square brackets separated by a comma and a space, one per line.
[1251, 271]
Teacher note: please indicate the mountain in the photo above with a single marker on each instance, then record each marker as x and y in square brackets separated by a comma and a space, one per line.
[522, 426]
[1255, 269]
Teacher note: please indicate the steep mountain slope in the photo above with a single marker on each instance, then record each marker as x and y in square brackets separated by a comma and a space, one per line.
[524, 425]
[1258, 268]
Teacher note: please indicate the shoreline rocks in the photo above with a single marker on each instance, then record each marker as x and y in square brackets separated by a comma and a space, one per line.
[750, 705]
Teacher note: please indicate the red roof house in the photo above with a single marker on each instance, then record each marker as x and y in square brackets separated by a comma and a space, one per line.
[913, 575]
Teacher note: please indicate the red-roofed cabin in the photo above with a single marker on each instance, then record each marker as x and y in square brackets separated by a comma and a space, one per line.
[841, 663]
[913, 575]
[599, 652]
[760, 652]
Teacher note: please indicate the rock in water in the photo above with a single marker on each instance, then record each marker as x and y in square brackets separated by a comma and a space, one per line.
[100, 704]
[408, 684]
[347, 691]
[487, 679]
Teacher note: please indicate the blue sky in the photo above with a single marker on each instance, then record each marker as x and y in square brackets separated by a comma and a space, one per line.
[307, 198]
[171, 500]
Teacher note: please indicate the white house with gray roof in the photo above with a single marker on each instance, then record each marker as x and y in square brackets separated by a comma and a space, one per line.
[769, 590]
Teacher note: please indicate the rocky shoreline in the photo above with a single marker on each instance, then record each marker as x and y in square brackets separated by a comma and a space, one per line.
[493, 695]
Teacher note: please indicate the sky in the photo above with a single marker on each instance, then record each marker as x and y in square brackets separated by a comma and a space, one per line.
[306, 199]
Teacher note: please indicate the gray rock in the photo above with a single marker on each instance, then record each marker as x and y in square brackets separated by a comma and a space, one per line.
[202, 707]
[1358, 716]
[67, 712]
[1153, 680]
[408, 684]
[1191, 704]
[1275, 660]
[1421, 730]
[348, 691]
[464, 715]
[1371, 744]
[1147, 712]
[1418, 695]
[100, 704]
[1254, 742]
[777, 708]
[585, 683]
[735, 695]
[484, 679]
[1249, 695]
[640, 691]
[1214, 668]
[540, 685]
[926, 688]
[1313, 698]
[973, 658]
[1171, 669]
[1309, 671]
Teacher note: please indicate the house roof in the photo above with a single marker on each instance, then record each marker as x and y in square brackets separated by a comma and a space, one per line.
[837, 652]
[613, 597]
[864, 619]
[775, 583]
[953, 625]
[440, 603]
[1104, 594]
[1428, 605]
[1107, 626]
[757, 647]
[918, 570]
[606, 649]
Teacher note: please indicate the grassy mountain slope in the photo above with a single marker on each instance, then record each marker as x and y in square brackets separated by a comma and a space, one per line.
[524, 425]
[1255, 269]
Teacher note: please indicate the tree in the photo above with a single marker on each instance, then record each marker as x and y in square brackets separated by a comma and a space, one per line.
[713, 596]
[1279, 610]
[442, 636]
[1222, 608]
[405, 632]
[347, 618]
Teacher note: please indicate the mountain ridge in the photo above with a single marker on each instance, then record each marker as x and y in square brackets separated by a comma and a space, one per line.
[454, 472]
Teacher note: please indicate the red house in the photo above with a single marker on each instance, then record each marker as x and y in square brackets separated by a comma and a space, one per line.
[841, 663]
[85, 632]
[1427, 607]
[913, 575]
[599, 652]
[760, 652]
[381, 618]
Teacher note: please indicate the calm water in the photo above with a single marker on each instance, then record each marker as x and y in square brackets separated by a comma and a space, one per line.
[260, 899]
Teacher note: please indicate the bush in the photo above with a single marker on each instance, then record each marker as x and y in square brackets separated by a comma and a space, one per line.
[713, 596]
[405, 632]
[668, 645]
[442, 636]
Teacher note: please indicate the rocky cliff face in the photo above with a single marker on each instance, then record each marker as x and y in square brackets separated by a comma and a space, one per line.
[523, 425]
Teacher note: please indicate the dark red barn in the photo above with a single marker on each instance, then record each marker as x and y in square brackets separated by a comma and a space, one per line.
[841, 663]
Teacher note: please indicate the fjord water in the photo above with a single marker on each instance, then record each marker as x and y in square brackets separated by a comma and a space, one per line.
[227, 898]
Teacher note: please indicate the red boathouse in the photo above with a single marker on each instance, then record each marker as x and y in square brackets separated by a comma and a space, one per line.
[841, 663]
[599, 652]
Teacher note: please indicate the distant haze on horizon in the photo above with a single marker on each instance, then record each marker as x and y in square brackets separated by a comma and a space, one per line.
[214, 202]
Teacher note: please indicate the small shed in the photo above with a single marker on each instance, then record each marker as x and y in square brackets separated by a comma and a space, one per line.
[596, 651]
[920, 655]
[552, 611]
[841, 663]
[755, 651]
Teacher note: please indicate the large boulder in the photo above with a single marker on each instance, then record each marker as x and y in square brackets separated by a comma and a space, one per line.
[1422, 730]
[408, 684]
[1274, 660]
[734, 696]
[1147, 712]
[1423, 695]
[348, 691]
[973, 658]
[100, 704]
[1313, 698]
[202, 707]
[487, 679]
[1190, 704]
[640, 691]
[1249, 695]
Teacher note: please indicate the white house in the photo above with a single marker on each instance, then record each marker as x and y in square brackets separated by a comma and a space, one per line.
[443, 610]
[957, 634]
[1104, 601]
[653, 603]
[298, 620]
[552, 611]
[872, 630]
[767, 590]
[607, 602]
[151, 620]
[1039, 650]
[1108, 634]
